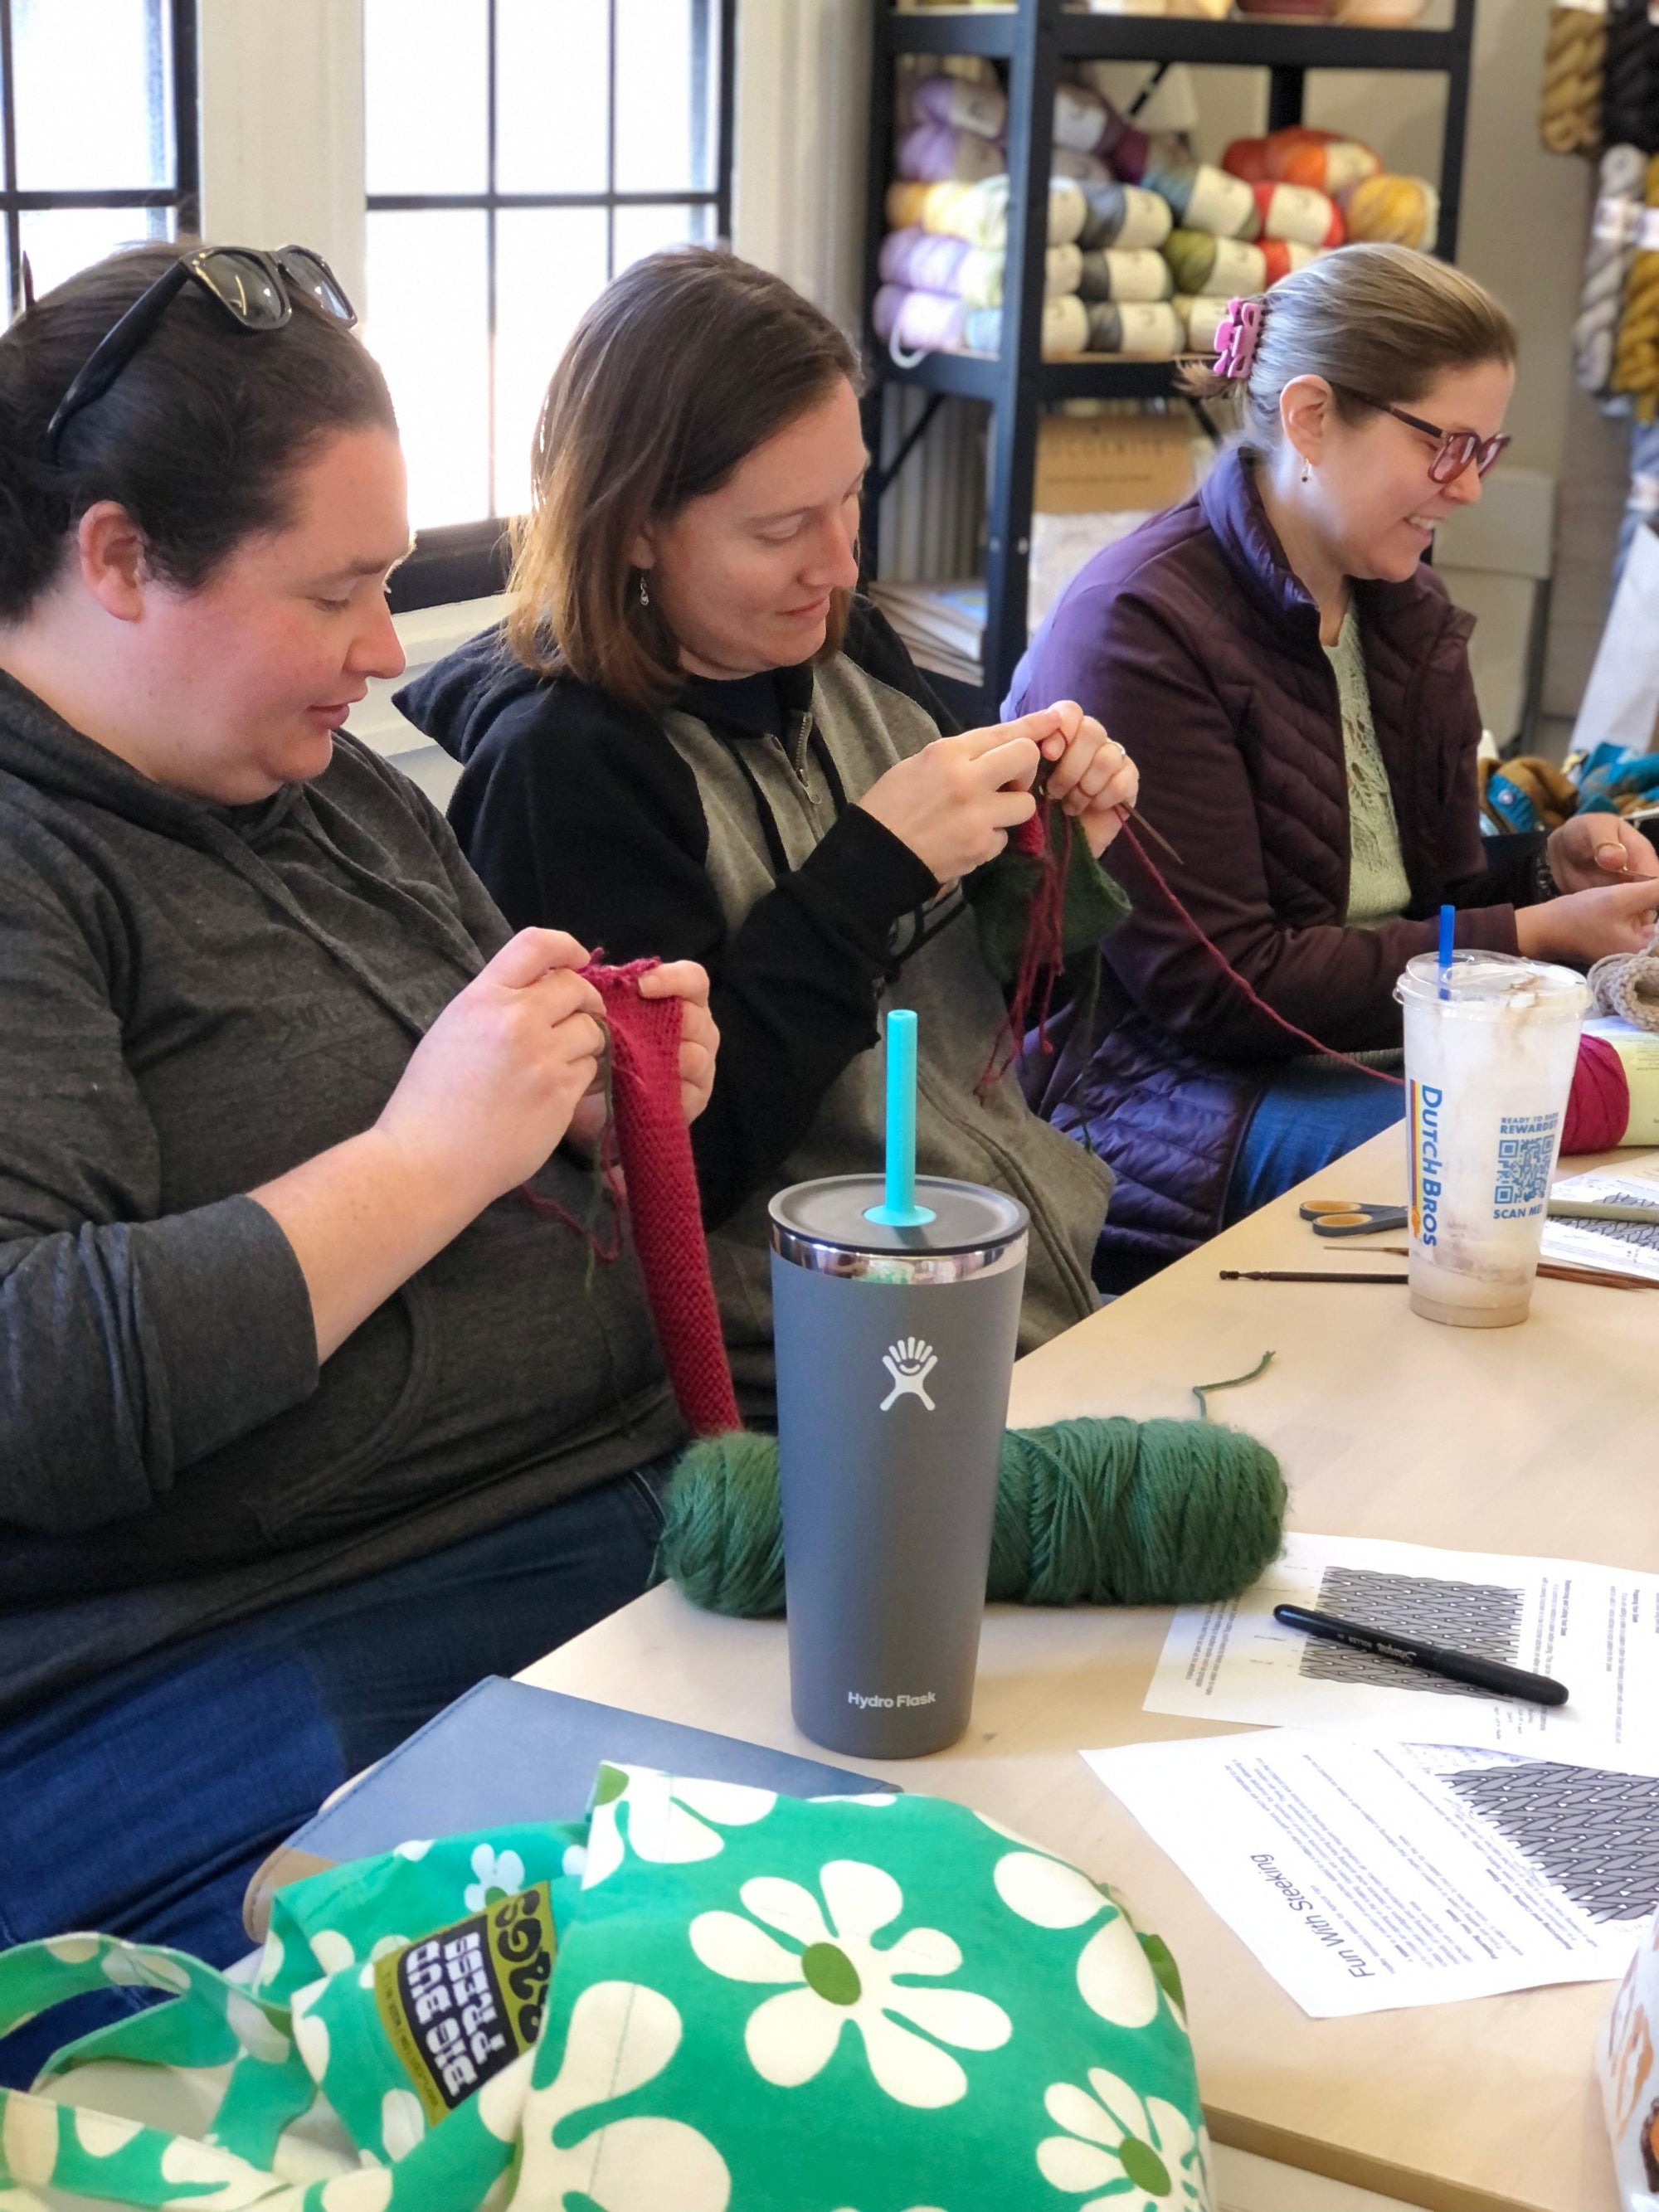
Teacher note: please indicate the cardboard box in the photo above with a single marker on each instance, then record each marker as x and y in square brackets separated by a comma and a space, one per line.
[1114, 464]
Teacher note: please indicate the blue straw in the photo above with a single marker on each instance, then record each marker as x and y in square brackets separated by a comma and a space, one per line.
[899, 1209]
[1448, 919]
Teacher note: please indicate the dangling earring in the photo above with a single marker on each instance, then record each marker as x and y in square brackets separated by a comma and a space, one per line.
[644, 596]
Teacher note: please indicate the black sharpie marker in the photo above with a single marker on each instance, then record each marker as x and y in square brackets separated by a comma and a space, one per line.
[1456, 1666]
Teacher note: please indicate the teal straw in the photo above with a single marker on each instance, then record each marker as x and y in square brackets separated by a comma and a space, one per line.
[899, 1209]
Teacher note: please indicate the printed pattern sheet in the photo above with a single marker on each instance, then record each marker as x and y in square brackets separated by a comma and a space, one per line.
[1367, 1876]
[1595, 1628]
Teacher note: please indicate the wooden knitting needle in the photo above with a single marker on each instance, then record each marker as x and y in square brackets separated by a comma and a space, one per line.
[1602, 1278]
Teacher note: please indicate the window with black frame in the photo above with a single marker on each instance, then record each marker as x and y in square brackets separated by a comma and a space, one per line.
[518, 154]
[98, 131]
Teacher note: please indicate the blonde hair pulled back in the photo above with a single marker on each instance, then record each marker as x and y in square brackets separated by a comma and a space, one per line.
[1379, 323]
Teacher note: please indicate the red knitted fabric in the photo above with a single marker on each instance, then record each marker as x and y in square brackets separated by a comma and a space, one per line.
[1043, 950]
[1598, 1105]
[655, 1148]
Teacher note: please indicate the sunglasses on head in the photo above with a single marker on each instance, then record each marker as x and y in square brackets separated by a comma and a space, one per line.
[1454, 449]
[255, 289]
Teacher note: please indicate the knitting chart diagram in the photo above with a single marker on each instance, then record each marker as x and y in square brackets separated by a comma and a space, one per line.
[1482, 1618]
[1593, 1835]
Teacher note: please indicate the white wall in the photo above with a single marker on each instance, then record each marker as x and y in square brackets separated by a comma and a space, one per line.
[803, 101]
[281, 90]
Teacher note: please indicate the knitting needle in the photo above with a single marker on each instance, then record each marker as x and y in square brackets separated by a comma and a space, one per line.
[1125, 814]
[1602, 1277]
[1300, 1275]
[1579, 1209]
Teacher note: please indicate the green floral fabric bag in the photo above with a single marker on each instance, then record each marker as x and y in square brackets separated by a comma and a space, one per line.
[705, 1999]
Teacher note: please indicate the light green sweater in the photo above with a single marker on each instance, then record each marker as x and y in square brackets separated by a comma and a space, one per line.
[1378, 888]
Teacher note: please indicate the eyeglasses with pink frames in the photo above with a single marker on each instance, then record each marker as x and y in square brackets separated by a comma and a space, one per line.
[1454, 449]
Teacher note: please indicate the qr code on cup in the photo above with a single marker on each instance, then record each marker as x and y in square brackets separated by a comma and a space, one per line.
[1523, 1169]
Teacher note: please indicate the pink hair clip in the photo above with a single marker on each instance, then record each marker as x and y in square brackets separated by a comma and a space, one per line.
[1238, 335]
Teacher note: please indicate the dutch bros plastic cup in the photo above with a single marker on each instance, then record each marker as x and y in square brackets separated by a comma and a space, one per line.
[1492, 1042]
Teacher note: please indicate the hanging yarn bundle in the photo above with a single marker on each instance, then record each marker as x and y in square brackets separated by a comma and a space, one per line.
[1606, 264]
[654, 1148]
[1630, 86]
[1636, 350]
[1574, 55]
[1088, 1512]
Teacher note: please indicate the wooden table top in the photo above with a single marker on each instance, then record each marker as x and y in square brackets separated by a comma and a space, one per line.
[1535, 1439]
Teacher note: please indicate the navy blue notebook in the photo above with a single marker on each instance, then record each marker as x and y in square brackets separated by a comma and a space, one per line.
[507, 1752]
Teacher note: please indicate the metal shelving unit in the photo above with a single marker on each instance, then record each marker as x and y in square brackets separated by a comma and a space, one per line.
[1033, 38]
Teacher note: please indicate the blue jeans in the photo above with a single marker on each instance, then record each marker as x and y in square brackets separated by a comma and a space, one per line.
[141, 1805]
[1309, 1115]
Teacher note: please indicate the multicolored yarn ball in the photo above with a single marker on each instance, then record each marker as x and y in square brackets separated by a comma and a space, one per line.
[934, 154]
[1569, 103]
[1200, 264]
[1065, 329]
[911, 324]
[1297, 155]
[1200, 320]
[1283, 257]
[1135, 326]
[1083, 119]
[978, 212]
[1390, 210]
[1636, 350]
[982, 108]
[1607, 257]
[1081, 168]
[1114, 273]
[1298, 212]
[1203, 197]
[1124, 216]
[920, 260]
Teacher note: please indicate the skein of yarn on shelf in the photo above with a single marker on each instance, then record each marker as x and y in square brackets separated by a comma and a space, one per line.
[1636, 351]
[1614, 226]
[1569, 103]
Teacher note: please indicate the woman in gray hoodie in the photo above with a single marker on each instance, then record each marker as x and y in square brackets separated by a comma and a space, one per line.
[309, 1417]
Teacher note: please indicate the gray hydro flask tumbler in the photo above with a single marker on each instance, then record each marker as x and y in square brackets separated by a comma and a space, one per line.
[895, 1346]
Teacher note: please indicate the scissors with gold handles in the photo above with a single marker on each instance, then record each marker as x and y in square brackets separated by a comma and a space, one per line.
[1347, 1217]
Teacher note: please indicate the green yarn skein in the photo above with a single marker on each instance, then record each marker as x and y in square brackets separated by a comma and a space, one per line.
[1088, 1512]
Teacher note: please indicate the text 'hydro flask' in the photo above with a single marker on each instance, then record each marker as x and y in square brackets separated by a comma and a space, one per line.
[896, 1310]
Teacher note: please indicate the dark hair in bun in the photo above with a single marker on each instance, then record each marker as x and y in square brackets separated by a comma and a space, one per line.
[197, 438]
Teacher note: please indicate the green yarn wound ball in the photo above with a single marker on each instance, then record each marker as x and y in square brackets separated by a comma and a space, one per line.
[1088, 1512]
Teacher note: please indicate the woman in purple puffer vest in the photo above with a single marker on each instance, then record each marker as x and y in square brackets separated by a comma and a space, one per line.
[1295, 685]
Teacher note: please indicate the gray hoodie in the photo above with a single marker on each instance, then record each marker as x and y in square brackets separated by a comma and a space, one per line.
[193, 999]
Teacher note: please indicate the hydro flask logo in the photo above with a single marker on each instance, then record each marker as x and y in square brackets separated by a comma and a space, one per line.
[909, 1362]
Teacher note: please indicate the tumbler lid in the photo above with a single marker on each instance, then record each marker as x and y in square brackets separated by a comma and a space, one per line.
[1476, 982]
[834, 1210]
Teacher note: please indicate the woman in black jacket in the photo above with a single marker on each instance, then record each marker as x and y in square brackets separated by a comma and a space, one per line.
[694, 738]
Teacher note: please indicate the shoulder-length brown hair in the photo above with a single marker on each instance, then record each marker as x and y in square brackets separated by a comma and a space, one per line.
[678, 371]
